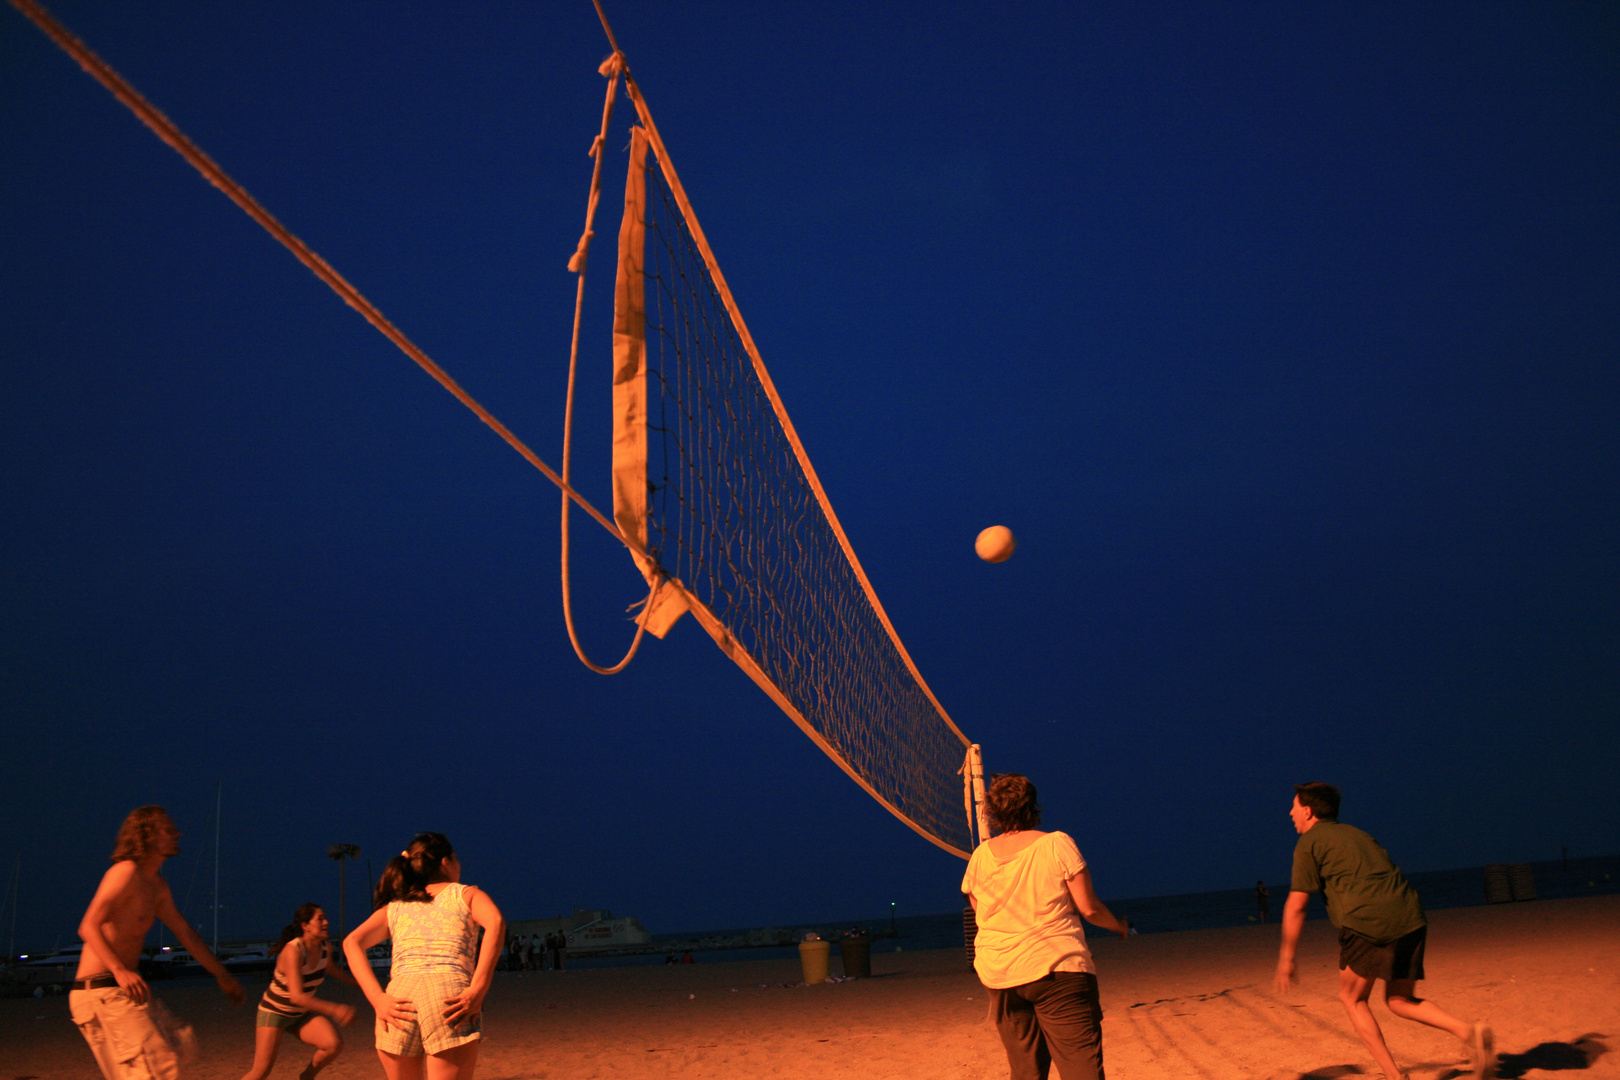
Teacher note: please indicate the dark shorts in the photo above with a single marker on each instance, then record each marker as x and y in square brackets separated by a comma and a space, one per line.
[1398, 959]
[289, 1024]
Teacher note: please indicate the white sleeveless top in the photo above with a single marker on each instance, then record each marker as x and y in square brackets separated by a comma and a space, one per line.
[438, 935]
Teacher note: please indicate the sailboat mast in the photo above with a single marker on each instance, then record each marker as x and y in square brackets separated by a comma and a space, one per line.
[16, 876]
[218, 791]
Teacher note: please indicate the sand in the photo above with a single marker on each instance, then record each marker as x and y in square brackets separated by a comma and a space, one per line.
[1186, 1005]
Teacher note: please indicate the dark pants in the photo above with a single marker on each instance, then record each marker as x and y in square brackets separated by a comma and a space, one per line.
[1055, 1019]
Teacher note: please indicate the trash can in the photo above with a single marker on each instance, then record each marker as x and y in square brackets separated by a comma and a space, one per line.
[856, 953]
[813, 957]
[1497, 888]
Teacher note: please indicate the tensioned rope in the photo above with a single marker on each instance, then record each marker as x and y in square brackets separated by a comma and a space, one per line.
[165, 129]
[614, 67]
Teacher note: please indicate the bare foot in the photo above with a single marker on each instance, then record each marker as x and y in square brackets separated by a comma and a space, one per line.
[1482, 1048]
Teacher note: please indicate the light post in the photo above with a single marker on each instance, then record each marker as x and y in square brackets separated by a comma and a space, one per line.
[341, 852]
[892, 931]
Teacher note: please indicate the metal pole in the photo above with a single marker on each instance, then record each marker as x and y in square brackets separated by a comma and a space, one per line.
[981, 812]
[16, 876]
[219, 789]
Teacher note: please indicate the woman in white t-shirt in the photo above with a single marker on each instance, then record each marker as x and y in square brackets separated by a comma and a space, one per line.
[1029, 890]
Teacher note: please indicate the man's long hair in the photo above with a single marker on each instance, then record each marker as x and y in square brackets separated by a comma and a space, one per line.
[137, 836]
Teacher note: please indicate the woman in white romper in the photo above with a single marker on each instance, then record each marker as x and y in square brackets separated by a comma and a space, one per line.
[429, 1018]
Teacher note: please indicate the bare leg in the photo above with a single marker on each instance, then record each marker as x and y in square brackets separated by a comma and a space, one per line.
[328, 1044]
[401, 1067]
[1353, 992]
[1401, 997]
[266, 1041]
[456, 1063]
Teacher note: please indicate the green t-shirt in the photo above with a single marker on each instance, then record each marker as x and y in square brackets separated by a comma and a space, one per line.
[1365, 891]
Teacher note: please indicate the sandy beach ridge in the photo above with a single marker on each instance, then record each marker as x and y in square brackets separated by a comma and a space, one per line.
[1194, 1005]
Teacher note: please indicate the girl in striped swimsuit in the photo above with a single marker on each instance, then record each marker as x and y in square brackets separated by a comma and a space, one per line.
[303, 960]
[429, 1021]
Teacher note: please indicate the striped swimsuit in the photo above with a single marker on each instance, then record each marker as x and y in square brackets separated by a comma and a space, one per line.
[275, 999]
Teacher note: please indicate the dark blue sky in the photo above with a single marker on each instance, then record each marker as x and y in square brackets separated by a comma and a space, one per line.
[1284, 336]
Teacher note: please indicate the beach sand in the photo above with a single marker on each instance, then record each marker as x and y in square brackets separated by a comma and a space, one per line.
[1186, 1005]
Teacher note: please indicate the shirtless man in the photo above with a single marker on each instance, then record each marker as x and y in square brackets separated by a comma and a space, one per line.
[110, 1001]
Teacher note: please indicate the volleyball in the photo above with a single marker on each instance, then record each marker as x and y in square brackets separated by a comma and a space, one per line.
[995, 544]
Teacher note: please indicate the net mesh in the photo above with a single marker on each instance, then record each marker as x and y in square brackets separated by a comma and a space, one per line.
[732, 515]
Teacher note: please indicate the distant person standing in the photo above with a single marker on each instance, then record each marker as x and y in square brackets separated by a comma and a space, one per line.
[433, 1007]
[124, 1024]
[1382, 927]
[1029, 890]
[559, 951]
[289, 1005]
[1262, 900]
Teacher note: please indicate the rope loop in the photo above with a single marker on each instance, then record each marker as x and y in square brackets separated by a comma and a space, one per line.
[612, 67]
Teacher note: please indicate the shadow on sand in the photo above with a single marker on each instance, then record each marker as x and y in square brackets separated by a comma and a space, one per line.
[1552, 1057]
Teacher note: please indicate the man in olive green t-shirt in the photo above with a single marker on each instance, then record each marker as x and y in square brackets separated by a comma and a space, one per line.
[1382, 929]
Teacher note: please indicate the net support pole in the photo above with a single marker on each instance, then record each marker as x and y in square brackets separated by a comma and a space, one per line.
[975, 778]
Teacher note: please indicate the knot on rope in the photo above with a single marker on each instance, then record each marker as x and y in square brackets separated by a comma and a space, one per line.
[612, 66]
[576, 264]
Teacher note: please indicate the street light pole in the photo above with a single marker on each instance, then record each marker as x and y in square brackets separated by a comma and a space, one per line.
[340, 852]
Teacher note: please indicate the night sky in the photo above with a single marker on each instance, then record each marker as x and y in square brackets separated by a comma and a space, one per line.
[1284, 336]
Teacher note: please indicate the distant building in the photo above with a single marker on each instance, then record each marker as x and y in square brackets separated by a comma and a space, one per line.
[587, 929]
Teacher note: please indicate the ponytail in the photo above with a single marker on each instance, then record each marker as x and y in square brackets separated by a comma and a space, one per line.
[408, 874]
[294, 929]
[391, 885]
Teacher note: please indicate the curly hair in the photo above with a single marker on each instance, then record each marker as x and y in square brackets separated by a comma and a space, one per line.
[1011, 802]
[137, 836]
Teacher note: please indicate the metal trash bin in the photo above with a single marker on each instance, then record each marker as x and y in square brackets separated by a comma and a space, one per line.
[1521, 882]
[1497, 890]
[855, 950]
[814, 956]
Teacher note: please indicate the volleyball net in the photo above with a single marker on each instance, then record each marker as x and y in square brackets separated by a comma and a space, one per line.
[714, 495]
[710, 472]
